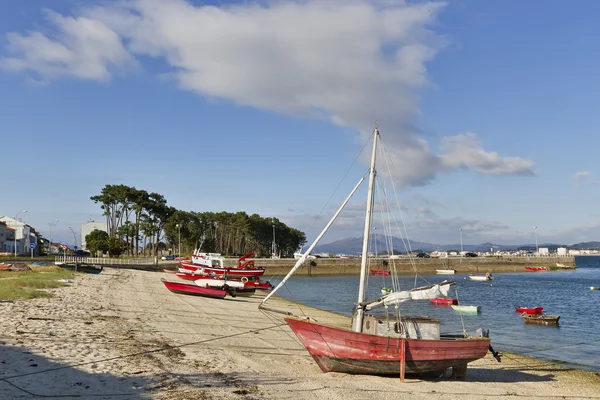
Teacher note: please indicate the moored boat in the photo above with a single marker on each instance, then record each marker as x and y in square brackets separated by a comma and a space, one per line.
[195, 290]
[536, 269]
[445, 271]
[529, 310]
[486, 277]
[380, 272]
[466, 309]
[541, 319]
[444, 301]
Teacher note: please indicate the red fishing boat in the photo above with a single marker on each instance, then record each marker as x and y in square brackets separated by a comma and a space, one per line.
[249, 282]
[444, 301]
[195, 290]
[390, 344]
[342, 350]
[535, 269]
[529, 310]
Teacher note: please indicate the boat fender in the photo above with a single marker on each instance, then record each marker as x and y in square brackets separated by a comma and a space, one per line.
[244, 279]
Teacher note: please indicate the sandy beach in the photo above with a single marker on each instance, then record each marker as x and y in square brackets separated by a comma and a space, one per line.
[122, 335]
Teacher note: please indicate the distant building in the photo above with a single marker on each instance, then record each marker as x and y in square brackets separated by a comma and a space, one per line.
[88, 228]
[23, 233]
[561, 251]
[3, 234]
[543, 251]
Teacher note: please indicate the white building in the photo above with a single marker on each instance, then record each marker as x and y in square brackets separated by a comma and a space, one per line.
[543, 251]
[88, 228]
[24, 235]
[561, 251]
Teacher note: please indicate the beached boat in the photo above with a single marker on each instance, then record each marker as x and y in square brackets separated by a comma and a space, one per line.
[536, 269]
[541, 319]
[529, 310]
[389, 344]
[445, 271]
[221, 270]
[444, 301]
[5, 267]
[467, 309]
[195, 290]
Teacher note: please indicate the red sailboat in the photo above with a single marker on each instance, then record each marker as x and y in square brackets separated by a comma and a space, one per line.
[383, 344]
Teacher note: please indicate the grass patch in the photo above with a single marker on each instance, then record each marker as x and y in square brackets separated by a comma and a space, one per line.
[26, 284]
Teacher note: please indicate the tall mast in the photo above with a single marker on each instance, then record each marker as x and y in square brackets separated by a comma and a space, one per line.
[358, 317]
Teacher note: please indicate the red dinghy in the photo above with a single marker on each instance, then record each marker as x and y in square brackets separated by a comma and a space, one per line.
[221, 271]
[444, 301]
[529, 310]
[194, 290]
[380, 272]
[536, 269]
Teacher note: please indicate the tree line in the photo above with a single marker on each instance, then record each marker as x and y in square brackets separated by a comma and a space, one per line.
[139, 222]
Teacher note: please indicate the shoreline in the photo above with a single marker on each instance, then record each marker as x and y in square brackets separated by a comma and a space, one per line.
[121, 334]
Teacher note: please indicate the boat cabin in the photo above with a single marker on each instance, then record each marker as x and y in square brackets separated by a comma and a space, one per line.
[409, 327]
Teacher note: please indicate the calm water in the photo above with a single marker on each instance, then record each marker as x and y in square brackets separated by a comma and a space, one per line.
[567, 293]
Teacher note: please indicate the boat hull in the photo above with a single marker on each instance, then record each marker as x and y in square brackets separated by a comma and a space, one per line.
[536, 269]
[380, 272]
[194, 290]
[530, 310]
[446, 271]
[342, 350]
[221, 271]
[541, 319]
[444, 301]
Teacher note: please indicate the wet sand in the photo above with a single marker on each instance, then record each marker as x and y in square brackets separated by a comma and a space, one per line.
[122, 335]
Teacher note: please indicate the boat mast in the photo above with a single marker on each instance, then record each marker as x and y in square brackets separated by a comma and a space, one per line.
[358, 317]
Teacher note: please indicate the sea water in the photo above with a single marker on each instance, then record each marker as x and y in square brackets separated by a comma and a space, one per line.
[575, 341]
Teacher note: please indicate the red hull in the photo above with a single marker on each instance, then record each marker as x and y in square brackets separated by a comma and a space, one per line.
[341, 350]
[221, 271]
[380, 272]
[194, 290]
[530, 310]
[536, 269]
[444, 301]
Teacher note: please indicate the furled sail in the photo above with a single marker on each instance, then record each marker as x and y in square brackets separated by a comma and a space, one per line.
[420, 293]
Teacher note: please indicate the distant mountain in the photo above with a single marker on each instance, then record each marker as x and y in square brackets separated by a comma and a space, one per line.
[353, 246]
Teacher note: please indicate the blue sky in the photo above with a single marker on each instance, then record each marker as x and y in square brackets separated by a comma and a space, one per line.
[488, 108]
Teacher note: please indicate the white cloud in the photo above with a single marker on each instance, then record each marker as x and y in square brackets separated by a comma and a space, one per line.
[352, 62]
[464, 151]
[82, 48]
[581, 178]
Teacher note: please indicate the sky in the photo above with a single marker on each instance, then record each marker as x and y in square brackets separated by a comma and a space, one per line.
[488, 111]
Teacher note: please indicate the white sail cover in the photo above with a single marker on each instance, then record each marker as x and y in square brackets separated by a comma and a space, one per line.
[420, 293]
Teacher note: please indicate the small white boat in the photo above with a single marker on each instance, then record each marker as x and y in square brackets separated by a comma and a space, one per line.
[467, 309]
[486, 277]
[446, 271]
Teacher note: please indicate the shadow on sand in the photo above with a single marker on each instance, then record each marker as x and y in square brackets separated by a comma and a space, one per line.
[27, 375]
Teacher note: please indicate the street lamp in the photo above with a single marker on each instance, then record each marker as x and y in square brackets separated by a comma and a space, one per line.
[16, 220]
[179, 249]
[50, 226]
[537, 250]
[461, 246]
[74, 238]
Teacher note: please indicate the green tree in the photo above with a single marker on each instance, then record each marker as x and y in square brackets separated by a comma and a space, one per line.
[97, 241]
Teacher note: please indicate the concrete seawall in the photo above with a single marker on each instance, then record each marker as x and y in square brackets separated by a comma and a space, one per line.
[351, 266]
